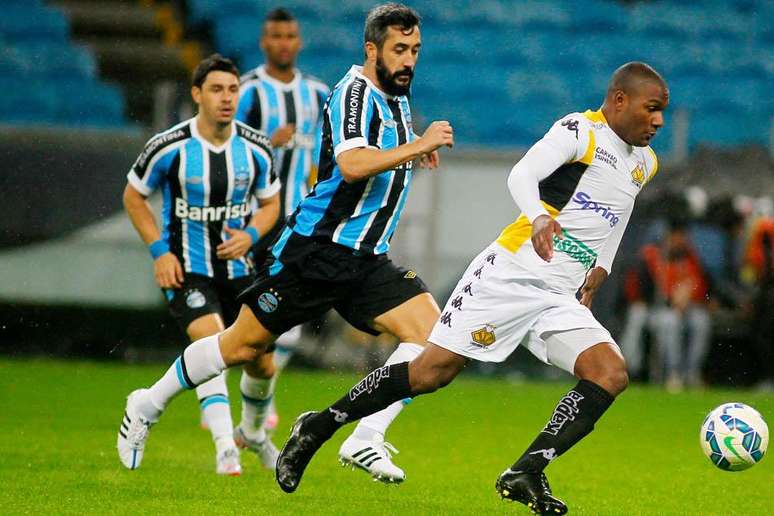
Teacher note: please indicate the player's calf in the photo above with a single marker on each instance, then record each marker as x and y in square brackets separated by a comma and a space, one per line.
[433, 369]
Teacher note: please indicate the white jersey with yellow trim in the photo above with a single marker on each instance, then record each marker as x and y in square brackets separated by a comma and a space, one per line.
[588, 180]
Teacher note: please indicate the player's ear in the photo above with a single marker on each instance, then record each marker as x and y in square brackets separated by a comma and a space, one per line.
[371, 51]
[196, 94]
[620, 98]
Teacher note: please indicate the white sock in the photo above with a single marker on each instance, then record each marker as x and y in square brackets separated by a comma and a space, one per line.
[199, 362]
[216, 411]
[378, 422]
[281, 358]
[285, 347]
[256, 398]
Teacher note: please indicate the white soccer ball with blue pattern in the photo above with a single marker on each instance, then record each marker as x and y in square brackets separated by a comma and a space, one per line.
[734, 436]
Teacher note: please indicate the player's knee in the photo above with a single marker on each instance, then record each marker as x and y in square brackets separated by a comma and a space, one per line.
[613, 377]
[429, 379]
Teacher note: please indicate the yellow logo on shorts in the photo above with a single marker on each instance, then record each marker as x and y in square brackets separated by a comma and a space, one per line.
[484, 336]
[410, 275]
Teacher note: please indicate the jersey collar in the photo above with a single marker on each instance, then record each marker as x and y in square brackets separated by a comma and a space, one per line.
[357, 71]
[599, 117]
[209, 145]
[263, 74]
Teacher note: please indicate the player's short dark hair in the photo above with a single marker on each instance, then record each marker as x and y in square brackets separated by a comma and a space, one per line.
[627, 77]
[280, 14]
[213, 63]
[386, 15]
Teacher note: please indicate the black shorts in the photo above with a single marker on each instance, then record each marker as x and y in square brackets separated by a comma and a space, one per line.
[201, 295]
[262, 248]
[312, 276]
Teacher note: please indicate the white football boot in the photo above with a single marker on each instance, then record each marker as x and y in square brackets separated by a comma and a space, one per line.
[374, 457]
[133, 433]
[227, 463]
[265, 449]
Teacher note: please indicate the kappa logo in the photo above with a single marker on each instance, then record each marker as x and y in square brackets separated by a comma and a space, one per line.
[565, 411]
[549, 454]
[484, 337]
[338, 415]
[195, 299]
[370, 382]
[571, 125]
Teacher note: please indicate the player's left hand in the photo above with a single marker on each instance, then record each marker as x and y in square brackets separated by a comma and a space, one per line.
[594, 279]
[430, 161]
[237, 245]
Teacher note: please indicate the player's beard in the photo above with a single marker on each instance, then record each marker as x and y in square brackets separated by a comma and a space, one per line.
[388, 82]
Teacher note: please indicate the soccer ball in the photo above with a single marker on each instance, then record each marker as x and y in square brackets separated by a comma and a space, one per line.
[734, 436]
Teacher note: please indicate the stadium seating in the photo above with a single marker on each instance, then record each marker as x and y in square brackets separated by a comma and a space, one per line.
[47, 79]
[541, 59]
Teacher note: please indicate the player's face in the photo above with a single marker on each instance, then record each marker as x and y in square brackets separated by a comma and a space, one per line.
[281, 42]
[643, 112]
[218, 97]
[396, 60]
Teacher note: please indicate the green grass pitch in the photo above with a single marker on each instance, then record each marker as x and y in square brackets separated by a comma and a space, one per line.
[58, 423]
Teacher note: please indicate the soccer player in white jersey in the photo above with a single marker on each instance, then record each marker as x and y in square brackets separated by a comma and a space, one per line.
[279, 100]
[576, 189]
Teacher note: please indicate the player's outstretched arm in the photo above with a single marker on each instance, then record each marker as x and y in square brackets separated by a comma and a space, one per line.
[362, 163]
[166, 266]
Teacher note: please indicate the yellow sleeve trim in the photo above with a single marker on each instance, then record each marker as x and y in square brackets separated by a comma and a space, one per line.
[595, 116]
[514, 235]
[652, 173]
[589, 156]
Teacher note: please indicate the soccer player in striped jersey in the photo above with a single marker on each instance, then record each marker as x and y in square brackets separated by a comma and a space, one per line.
[576, 189]
[286, 104]
[209, 170]
[333, 252]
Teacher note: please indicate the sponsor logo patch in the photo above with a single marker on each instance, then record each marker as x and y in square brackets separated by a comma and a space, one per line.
[575, 249]
[608, 157]
[587, 203]
[410, 275]
[210, 213]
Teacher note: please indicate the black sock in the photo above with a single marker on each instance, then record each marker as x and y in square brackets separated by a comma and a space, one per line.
[378, 390]
[572, 420]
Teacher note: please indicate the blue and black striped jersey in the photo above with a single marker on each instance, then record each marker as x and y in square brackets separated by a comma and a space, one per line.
[205, 189]
[267, 104]
[361, 215]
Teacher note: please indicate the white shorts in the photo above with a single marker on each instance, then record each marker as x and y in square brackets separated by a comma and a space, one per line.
[492, 311]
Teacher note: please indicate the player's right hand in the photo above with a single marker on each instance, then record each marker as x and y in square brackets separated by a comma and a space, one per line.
[439, 133]
[168, 271]
[543, 230]
[282, 136]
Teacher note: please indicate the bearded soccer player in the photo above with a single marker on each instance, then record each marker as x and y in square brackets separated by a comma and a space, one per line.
[279, 100]
[576, 189]
[209, 169]
[333, 250]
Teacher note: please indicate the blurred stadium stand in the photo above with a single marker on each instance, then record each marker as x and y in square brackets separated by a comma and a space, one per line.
[534, 60]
